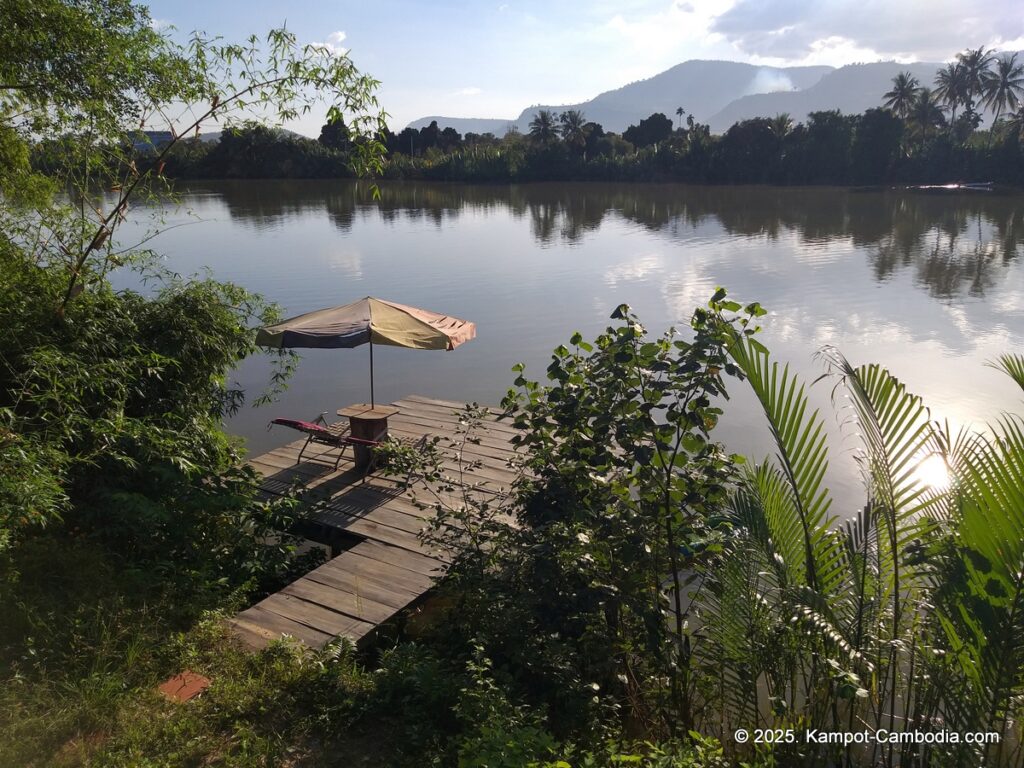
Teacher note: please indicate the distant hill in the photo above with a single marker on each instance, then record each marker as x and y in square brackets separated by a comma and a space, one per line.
[699, 87]
[466, 125]
[721, 93]
[850, 89]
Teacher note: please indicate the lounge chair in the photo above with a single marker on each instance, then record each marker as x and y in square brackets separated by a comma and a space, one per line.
[320, 432]
[337, 436]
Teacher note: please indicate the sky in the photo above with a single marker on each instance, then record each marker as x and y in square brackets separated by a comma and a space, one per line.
[493, 58]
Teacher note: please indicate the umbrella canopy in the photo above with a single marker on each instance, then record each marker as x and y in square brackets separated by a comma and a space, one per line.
[372, 321]
[368, 321]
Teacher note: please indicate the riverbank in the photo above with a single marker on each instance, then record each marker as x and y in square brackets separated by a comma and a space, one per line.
[874, 148]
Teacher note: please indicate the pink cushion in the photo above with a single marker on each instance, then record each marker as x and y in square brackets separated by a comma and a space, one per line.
[305, 426]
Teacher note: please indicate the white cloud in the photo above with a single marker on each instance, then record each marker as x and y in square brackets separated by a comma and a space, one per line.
[158, 24]
[642, 40]
[840, 31]
[333, 44]
[471, 91]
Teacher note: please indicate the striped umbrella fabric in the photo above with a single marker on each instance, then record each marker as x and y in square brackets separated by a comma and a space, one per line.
[368, 321]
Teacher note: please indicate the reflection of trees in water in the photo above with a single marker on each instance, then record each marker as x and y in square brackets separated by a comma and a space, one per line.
[946, 271]
[953, 243]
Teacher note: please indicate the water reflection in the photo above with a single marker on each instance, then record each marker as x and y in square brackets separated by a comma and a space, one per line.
[930, 287]
[952, 244]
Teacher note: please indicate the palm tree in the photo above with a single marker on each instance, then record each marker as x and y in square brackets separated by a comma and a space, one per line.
[901, 97]
[925, 114]
[1015, 125]
[542, 127]
[853, 593]
[1004, 87]
[572, 122]
[781, 125]
[951, 88]
[975, 63]
[679, 114]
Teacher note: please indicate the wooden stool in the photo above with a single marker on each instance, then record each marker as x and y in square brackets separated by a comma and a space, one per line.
[367, 423]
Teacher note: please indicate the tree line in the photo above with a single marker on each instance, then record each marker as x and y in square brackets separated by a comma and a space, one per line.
[976, 82]
[918, 135]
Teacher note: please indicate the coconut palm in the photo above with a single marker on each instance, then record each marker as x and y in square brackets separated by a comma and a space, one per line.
[904, 89]
[1015, 125]
[571, 128]
[679, 114]
[975, 63]
[781, 125]
[543, 127]
[925, 115]
[1004, 86]
[951, 88]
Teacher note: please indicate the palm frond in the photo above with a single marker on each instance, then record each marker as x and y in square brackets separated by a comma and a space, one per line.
[897, 432]
[898, 435]
[1012, 366]
[982, 608]
[800, 503]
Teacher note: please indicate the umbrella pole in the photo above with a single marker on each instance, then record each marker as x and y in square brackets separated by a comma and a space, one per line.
[372, 404]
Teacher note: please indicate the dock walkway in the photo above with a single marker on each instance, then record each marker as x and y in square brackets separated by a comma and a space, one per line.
[381, 566]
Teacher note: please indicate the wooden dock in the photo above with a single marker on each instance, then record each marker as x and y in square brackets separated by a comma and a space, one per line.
[381, 566]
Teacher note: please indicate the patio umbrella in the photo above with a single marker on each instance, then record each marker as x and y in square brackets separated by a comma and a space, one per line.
[368, 321]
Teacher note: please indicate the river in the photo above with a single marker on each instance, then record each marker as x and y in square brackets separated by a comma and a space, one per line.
[930, 286]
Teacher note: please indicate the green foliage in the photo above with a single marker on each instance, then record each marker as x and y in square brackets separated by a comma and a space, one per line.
[496, 733]
[125, 510]
[905, 616]
[650, 130]
[576, 590]
[93, 65]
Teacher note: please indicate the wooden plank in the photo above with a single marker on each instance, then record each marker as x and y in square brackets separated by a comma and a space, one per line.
[249, 636]
[492, 447]
[378, 500]
[352, 604]
[403, 581]
[453, 404]
[383, 534]
[396, 513]
[448, 426]
[449, 420]
[286, 457]
[435, 401]
[283, 466]
[393, 556]
[392, 567]
[273, 625]
[495, 480]
[315, 616]
[410, 405]
[372, 586]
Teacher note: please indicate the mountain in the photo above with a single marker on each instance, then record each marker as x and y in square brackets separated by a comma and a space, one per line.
[702, 88]
[721, 93]
[466, 125]
[850, 89]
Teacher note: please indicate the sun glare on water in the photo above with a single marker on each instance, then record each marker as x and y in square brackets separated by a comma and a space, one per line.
[933, 472]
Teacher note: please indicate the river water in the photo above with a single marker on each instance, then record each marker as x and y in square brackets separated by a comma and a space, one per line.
[930, 286]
